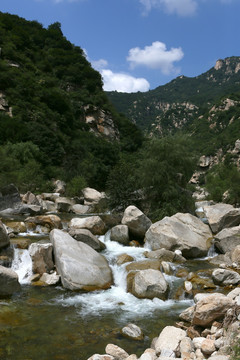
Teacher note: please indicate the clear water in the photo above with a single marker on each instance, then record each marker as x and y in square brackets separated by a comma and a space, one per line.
[50, 323]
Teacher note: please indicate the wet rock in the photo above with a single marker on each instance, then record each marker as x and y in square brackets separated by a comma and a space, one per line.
[149, 284]
[180, 231]
[120, 234]
[227, 239]
[124, 258]
[225, 277]
[79, 266]
[88, 238]
[48, 221]
[222, 216]
[144, 265]
[92, 223]
[169, 339]
[4, 238]
[9, 283]
[42, 257]
[137, 222]
[117, 352]
[50, 279]
[132, 331]
[166, 255]
[211, 308]
[101, 357]
[15, 227]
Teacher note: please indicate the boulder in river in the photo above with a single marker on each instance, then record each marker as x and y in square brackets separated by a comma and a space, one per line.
[88, 238]
[8, 282]
[149, 284]
[222, 216]
[80, 266]
[92, 223]
[120, 234]
[42, 257]
[137, 222]
[180, 231]
[227, 239]
[132, 331]
[225, 277]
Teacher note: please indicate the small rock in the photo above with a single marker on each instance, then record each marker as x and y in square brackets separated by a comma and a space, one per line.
[133, 332]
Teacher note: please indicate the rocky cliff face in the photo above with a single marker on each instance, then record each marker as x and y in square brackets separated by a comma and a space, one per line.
[100, 122]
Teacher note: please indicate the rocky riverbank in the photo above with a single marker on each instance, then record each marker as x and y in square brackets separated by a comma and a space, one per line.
[74, 257]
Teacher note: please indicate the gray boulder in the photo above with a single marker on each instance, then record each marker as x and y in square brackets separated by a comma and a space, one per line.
[92, 223]
[169, 340]
[64, 204]
[88, 238]
[79, 266]
[225, 277]
[4, 238]
[120, 234]
[91, 195]
[180, 231]
[80, 209]
[8, 282]
[227, 239]
[137, 222]
[42, 257]
[222, 216]
[149, 284]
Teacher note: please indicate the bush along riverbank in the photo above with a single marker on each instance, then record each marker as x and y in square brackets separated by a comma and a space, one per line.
[193, 260]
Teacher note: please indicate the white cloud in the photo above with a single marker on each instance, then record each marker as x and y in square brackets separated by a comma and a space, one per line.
[179, 7]
[99, 64]
[156, 56]
[123, 82]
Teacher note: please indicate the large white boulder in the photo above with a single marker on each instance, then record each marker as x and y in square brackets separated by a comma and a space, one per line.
[227, 239]
[169, 340]
[137, 222]
[180, 231]
[79, 266]
[222, 216]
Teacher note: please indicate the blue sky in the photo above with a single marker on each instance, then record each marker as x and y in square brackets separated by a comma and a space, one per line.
[138, 45]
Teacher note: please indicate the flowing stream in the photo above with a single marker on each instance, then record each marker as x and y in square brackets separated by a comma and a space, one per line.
[54, 323]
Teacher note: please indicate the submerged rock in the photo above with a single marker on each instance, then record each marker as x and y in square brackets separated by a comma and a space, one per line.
[132, 331]
[79, 266]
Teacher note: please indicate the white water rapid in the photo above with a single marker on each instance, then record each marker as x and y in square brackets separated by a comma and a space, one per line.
[22, 265]
[117, 298]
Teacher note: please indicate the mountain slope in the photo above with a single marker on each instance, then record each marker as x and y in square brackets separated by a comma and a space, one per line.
[52, 98]
[179, 103]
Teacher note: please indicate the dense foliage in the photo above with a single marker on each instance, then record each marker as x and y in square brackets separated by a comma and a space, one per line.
[156, 178]
[48, 83]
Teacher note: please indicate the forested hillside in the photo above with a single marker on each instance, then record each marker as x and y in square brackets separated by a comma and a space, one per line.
[55, 119]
